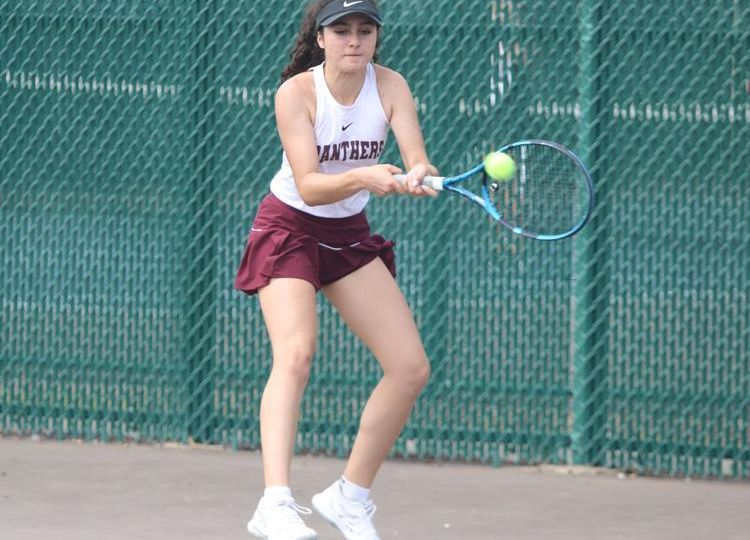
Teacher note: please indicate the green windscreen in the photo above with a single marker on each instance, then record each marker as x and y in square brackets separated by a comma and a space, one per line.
[137, 139]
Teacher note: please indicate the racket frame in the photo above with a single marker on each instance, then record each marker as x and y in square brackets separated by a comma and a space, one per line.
[483, 200]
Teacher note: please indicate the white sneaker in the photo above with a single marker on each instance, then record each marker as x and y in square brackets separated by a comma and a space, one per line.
[278, 519]
[352, 518]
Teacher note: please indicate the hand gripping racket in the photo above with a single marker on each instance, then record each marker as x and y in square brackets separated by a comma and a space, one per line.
[550, 196]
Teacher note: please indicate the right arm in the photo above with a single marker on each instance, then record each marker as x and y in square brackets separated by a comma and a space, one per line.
[295, 121]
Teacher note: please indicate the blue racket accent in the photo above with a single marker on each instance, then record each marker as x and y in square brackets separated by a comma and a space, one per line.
[450, 184]
[551, 196]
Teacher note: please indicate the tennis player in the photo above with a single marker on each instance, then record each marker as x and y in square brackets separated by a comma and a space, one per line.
[333, 112]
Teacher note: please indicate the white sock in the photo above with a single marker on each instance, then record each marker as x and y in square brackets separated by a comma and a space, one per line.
[277, 492]
[353, 491]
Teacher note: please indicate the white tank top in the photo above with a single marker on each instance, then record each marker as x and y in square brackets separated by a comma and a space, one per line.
[347, 137]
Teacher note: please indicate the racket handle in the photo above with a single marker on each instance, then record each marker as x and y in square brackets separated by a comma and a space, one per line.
[434, 182]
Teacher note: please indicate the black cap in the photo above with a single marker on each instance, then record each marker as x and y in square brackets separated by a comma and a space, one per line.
[341, 8]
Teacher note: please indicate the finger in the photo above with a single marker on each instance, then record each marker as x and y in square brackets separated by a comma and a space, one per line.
[411, 183]
[398, 187]
[425, 191]
[414, 180]
[415, 191]
[417, 188]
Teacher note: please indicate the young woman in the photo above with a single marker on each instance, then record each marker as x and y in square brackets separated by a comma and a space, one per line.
[333, 111]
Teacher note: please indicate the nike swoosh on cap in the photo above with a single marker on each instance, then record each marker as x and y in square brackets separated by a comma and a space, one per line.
[333, 11]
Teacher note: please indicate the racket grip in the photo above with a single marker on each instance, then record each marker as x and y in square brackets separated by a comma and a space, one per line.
[434, 182]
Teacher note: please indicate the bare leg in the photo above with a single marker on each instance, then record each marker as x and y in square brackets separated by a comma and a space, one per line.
[373, 306]
[289, 310]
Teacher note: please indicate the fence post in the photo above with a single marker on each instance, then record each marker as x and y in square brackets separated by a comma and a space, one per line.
[201, 297]
[589, 358]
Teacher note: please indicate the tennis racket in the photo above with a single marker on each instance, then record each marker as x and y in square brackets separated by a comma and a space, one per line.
[550, 197]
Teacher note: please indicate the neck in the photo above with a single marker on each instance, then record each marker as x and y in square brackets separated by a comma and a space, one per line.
[344, 86]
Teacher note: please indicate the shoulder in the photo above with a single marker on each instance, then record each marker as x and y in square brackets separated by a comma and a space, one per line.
[389, 79]
[299, 86]
[297, 94]
[392, 88]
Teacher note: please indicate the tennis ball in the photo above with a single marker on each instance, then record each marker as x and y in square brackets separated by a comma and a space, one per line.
[500, 166]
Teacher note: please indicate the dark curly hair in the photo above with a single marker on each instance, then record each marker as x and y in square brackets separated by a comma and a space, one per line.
[306, 53]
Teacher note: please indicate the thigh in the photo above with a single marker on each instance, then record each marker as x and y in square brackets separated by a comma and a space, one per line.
[371, 303]
[290, 313]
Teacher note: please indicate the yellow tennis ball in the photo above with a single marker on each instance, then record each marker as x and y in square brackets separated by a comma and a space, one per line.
[500, 166]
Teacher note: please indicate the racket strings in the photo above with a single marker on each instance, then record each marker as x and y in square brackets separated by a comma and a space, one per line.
[549, 193]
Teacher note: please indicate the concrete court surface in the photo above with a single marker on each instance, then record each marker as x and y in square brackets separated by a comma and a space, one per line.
[86, 491]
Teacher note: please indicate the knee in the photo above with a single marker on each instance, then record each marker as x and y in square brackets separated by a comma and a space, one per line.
[422, 374]
[413, 377]
[293, 362]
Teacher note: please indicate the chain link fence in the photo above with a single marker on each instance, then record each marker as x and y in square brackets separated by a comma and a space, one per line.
[137, 139]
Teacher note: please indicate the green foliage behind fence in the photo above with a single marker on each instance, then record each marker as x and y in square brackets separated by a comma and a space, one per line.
[136, 140]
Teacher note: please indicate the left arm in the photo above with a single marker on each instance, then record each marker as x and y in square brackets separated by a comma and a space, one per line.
[402, 114]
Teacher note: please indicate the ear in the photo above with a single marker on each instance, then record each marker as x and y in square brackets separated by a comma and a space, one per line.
[319, 37]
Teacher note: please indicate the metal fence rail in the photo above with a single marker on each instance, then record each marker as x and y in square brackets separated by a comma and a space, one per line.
[138, 138]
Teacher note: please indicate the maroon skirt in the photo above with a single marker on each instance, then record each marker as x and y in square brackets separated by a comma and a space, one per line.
[288, 243]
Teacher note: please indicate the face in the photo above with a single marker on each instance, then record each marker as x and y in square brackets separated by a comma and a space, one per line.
[349, 43]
